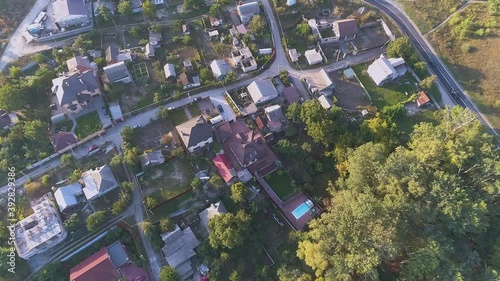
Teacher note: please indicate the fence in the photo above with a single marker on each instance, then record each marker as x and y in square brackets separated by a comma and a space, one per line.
[64, 34]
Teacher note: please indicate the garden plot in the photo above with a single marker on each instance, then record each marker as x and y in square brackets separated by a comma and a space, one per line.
[140, 71]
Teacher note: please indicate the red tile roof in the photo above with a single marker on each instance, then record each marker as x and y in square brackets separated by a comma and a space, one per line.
[96, 267]
[422, 98]
[223, 166]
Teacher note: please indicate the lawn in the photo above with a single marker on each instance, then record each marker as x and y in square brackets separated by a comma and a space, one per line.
[169, 179]
[474, 59]
[177, 116]
[406, 124]
[281, 183]
[388, 94]
[194, 110]
[169, 207]
[427, 14]
[87, 125]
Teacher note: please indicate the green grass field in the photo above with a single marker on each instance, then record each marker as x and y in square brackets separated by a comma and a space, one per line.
[177, 116]
[194, 110]
[281, 183]
[427, 14]
[87, 125]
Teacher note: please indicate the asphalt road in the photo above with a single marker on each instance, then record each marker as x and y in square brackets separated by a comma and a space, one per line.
[424, 48]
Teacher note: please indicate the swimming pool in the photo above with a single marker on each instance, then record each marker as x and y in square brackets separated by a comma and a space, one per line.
[302, 209]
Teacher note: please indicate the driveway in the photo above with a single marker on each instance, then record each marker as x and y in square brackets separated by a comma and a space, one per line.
[228, 113]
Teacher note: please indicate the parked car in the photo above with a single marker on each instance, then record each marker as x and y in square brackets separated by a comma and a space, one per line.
[137, 126]
[92, 148]
[104, 111]
[220, 108]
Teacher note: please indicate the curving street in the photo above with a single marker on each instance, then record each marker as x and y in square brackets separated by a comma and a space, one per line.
[428, 54]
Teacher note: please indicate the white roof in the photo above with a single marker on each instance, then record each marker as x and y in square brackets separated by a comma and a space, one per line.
[66, 195]
[325, 103]
[294, 56]
[313, 57]
[382, 68]
[169, 70]
[213, 33]
[219, 68]
[262, 88]
[116, 111]
[98, 181]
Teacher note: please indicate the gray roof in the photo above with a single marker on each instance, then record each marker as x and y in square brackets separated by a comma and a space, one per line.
[65, 8]
[99, 181]
[249, 8]
[115, 110]
[220, 68]
[169, 70]
[151, 157]
[70, 88]
[117, 254]
[179, 246]
[194, 131]
[210, 212]
[149, 50]
[262, 88]
[116, 71]
[66, 195]
[111, 53]
[346, 27]
[274, 113]
[155, 38]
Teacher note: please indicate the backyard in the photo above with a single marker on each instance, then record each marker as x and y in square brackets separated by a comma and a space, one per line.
[87, 125]
[168, 180]
[177, 116]
[281, 183]
[391, 92]
[169, 207]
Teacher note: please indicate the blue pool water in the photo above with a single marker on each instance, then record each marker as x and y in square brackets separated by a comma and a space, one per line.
[301, 210]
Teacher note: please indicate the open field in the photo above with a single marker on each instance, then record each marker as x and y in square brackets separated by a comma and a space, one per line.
[474, 59]
[427, 14]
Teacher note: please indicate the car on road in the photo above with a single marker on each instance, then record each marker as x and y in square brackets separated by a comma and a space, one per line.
[171, 108]
[137, 126]
[220, 108]
[92, 148]
[104, 111]
[431, 62]
[454, 93]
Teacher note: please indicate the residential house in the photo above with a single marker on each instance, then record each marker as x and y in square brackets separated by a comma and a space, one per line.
[109, 4]
[291, 95]
[275, 118]
[67, 196]
[149, 51]
[422, 99]
[213, 210]
[320, 83]
[195, 134]
[241, 29]
[188, 65]
[155, 39]
[114, 55]
[98, 182]
[345, 29]
[220, 69]
[169, 70]
[215, 22]
[73, 92]
[69, 13]
[325, 102]
[224, 167]
[116, 73]
[247, 11]
[313, 57]
[179, 248]
[78, 64]
[384, 69]
[150, 159]
[62, 140]
[185, 29]
[188, 80]
[244, 146]
[116, 112]
[244, 59]
[7, 120]
[39, 231]
[136, 6]
[262, 91]
[105, 265]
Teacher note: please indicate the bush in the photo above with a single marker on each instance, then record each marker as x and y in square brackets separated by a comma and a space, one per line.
[466, 48]
[46, 179]
[166, 225]
[67, 159]
[96, 220]
[72, 223]
[151, 202]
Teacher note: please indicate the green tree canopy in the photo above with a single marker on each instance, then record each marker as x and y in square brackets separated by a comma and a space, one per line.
[228, 230]
[96, 220]
[168, 273]
[256, 25]
[124, 7]
[149, 9]
[402, 47]
[239, 192]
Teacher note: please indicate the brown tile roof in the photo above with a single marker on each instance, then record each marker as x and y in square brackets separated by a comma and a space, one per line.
[422, 98]
[62, 140]
[347, 27]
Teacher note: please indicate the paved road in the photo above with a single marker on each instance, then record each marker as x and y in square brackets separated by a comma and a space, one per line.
[424, 48]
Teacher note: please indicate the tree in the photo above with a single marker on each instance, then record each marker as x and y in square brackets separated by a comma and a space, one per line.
[120, 205]
[72, 223]
[239, 192]
[116, 161]
[235, 276]
[15, 72]
[427, 82]
[196, 184]
[155, 27]
[151, 202]
[286, 273]
[186, 39]
[166, 225]
[124, 7]
[46, 179]
[52, 272]
[149, 9]
[82, 44]
[131, 157]
[216, 182]
[206, 76]
[104, 13]
[67, 159]
[135, 31]
[163, 113]
[129, 136]
[96, 220]
[12, 98]
[228, 230]
[168, 273]
[215, 10]
[40, 58]
[303, 29]
[402, 47]
[146, 227]
[230, 77]
[257, 24]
